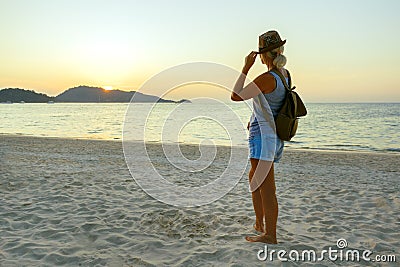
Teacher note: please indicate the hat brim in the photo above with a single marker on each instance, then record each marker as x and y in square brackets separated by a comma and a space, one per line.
[269, 48]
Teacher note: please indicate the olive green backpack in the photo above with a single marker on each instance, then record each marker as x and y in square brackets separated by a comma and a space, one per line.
[292, 108]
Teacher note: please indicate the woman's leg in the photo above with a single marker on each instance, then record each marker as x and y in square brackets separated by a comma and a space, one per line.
[270, 203]
[270, 209]
[257, 201]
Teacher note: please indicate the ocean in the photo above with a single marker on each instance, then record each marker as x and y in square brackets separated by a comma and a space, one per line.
[345, 126]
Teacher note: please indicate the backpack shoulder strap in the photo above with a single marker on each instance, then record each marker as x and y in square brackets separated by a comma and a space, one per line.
[291, 97]
[290, 79]
[277, 72]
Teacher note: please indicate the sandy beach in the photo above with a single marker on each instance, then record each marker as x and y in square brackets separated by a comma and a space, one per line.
[74, 203]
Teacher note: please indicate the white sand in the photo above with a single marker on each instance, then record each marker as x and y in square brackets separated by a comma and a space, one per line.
[73, 202]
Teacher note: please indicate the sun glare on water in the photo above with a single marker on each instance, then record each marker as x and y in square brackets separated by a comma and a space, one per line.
[108, 88]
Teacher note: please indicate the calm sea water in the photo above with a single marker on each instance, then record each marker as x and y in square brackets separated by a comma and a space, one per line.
[361, 127]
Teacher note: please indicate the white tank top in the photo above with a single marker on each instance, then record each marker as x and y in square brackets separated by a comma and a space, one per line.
[262, 119]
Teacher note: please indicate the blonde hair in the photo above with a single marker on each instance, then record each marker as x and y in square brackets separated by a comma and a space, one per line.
[279, 60]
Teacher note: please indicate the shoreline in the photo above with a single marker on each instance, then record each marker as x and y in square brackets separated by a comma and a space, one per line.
[120, 140]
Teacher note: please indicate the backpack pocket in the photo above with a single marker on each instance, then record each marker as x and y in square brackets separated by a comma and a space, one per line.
[286, 127]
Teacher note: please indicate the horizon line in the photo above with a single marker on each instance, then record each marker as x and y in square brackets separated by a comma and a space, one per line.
[118, 89]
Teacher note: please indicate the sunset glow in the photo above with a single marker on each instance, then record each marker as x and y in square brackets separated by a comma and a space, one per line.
[331, 60]
[107, 87]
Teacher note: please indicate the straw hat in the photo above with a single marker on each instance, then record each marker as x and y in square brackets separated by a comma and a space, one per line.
[269, 41]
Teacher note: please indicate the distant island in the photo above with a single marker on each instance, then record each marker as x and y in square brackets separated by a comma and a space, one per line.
[80, 94]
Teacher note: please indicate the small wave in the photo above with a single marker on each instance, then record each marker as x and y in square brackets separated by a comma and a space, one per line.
[392, 149]
[61, 116]
[349, 145]
[295, 142]
[95, 131]
[348, 148]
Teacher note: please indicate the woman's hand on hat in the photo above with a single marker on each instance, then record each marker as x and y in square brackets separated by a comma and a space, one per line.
[249, 61]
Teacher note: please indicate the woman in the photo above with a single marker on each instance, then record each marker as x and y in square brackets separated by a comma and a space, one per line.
[268, 94]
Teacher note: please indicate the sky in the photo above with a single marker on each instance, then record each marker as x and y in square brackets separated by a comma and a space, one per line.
[337, 51]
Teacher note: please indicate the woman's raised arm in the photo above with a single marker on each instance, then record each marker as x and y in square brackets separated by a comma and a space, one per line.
[264, 83]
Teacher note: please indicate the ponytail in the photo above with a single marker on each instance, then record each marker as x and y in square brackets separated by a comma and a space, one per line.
[279, 60]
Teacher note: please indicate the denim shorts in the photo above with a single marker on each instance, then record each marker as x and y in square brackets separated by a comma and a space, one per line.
[265, 148]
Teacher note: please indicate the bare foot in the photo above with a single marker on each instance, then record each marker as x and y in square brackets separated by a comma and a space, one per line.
[262, 238]
[258, 228]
